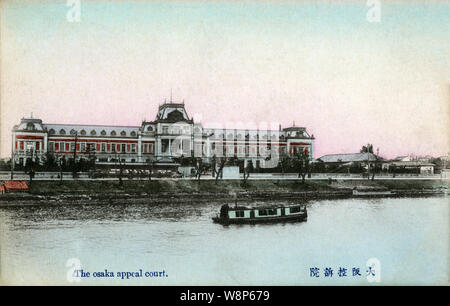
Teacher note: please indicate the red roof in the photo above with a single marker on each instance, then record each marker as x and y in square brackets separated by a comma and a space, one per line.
[15, 186]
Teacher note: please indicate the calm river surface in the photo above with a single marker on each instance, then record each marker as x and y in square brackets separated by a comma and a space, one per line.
[408, 236]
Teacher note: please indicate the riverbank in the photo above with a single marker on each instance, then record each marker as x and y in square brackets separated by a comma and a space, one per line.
[181, 191]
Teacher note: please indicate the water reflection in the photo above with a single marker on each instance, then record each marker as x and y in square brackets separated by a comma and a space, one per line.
[182, 239]
[122, 212]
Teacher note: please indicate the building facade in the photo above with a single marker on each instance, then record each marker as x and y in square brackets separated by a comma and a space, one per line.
[172, 134]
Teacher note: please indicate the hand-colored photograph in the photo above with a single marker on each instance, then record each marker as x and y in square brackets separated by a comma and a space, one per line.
[224, 143]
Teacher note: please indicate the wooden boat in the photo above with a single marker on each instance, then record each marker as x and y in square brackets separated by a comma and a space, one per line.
[372, 191]
[253, 215]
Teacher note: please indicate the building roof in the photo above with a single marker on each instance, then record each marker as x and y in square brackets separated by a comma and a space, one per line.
[400, 157]
[172, 112]
[92, 130]
[413, 163]
[347, 158]
[29, 125]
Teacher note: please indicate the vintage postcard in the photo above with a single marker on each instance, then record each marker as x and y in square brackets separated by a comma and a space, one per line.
[224, 143]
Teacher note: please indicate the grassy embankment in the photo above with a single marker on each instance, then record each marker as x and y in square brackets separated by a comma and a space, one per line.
[223, 186]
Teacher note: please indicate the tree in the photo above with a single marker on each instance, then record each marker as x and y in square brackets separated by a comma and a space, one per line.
[301, 163]
[121, 168]
[217, 166]
[13, 164]
[367, 149]
[31, 174]
[318, 167]
[285, 163]
[62, 167]
[90, 152]
[393, 168]
[247, 170]
[75, 164]
[200, 168]
[150, 166]
[197, 163]
[50, 161]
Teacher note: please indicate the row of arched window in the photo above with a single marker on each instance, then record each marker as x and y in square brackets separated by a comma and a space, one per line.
[247, 136]
[92, 132]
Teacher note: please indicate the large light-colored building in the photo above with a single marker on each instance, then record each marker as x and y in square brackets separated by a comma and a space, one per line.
[173, 133]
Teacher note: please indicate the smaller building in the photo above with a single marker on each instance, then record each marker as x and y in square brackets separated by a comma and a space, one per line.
[402, 159]
[412, 166]
[347, 159]
[348, 163]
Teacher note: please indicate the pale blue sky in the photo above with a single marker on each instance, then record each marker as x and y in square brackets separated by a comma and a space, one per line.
[320, 64]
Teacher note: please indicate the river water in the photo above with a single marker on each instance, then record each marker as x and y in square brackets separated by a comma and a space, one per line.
[407, 237]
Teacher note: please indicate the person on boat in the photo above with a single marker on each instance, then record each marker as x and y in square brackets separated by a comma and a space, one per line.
[224, 211]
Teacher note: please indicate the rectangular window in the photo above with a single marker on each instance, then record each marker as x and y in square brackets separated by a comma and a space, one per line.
[267, 212]
[239, 213]
[133, 148]
[51, 146]
[67, 147]
[128, 148]
[198, 148]
[108, 147]
[272, 211]
[123, 147]
[98, 147]
[103, 147]
[186, 143]
[118, 147]
[165, 130]
[293, 210]
[113, 147]
[262, 212]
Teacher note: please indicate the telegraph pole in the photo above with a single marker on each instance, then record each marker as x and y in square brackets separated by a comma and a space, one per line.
[368, 162]
[75, 156]
[12, 159]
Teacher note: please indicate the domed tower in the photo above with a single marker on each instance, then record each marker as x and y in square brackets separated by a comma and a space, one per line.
[298, 139]
[29, 139]
[172, 131]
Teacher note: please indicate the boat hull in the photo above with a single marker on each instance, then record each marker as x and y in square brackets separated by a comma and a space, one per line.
[372, 193]
[278, 219]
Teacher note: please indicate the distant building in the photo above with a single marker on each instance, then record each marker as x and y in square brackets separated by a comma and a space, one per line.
[414, 166]
[348, 159]
[402, 158]
[172, 134]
